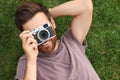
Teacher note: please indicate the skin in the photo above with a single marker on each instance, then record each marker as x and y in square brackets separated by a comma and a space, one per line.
[37, 20]
[81, 10]
[30, 45]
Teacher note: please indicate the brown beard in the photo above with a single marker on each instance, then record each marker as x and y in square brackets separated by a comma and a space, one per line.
[50, 49]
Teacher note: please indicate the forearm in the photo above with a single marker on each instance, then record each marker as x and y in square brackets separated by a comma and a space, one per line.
[30, 71]
[30, 47]
[71, 8]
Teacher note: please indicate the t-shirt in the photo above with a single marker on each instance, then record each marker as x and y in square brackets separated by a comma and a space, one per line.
[68, 62]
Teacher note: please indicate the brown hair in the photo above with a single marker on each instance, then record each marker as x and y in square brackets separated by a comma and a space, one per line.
[27, 11]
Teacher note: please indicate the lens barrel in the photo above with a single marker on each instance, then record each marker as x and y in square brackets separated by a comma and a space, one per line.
[43, 35]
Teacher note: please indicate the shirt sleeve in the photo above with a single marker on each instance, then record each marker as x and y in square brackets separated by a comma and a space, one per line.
[70, 38]
[21, 67]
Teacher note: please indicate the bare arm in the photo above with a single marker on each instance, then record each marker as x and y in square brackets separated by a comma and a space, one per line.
[81, 10]
[31, 71]
[29, 45]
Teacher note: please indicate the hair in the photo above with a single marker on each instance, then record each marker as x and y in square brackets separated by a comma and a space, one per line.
[26, 11]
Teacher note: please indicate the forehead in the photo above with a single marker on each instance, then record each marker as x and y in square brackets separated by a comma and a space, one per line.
[37, 20]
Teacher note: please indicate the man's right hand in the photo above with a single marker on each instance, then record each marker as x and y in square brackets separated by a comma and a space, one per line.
[29, 45]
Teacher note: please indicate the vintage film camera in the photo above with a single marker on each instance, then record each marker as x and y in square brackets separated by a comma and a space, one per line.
[43, 33]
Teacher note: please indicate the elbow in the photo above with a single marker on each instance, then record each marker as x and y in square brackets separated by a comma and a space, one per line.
[89, 5]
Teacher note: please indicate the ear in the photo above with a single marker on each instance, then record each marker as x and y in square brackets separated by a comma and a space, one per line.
[53, 22]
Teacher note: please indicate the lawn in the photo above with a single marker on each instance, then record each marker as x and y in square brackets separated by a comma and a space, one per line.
[103, 38]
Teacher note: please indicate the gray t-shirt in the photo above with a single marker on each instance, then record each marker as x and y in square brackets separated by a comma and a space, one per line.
[68, 62]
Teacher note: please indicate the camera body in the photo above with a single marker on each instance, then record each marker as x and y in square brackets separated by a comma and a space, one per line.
[43, 33]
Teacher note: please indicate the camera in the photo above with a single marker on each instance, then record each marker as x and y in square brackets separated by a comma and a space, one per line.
[43, 33]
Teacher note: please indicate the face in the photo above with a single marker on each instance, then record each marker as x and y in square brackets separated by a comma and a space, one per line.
[37, 20]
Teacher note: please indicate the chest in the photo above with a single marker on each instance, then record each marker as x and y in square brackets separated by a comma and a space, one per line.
[62, 66]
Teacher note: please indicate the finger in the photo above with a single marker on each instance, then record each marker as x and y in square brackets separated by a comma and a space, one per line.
[34, 46]
[30, 41]
[24, 32]
[24, 37]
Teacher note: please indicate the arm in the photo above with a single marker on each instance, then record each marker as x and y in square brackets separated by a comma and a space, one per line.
[81, 10]
[30, 71]
[29, 45]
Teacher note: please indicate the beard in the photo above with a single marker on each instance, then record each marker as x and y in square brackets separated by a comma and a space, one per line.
[49, 47]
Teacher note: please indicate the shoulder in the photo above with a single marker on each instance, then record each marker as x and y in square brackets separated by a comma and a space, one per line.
[22, 58]
[21, 67]
[21, 62]
[70, 39]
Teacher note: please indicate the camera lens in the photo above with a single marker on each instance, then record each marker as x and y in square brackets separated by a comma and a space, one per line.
[43, 34]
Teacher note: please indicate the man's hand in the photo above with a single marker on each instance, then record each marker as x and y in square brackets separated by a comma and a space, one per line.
[29, 45]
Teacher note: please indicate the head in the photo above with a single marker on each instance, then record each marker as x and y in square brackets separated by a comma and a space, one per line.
[31, 15]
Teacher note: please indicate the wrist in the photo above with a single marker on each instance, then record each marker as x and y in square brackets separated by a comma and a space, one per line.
[31, 70]
[31, 61]
[50, 9]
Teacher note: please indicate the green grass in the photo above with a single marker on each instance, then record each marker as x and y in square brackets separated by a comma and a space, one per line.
[103, 38]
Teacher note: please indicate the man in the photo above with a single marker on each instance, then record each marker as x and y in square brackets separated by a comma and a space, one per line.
[54, 59]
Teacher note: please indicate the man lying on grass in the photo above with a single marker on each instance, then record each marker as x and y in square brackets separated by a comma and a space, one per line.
[46, 57]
